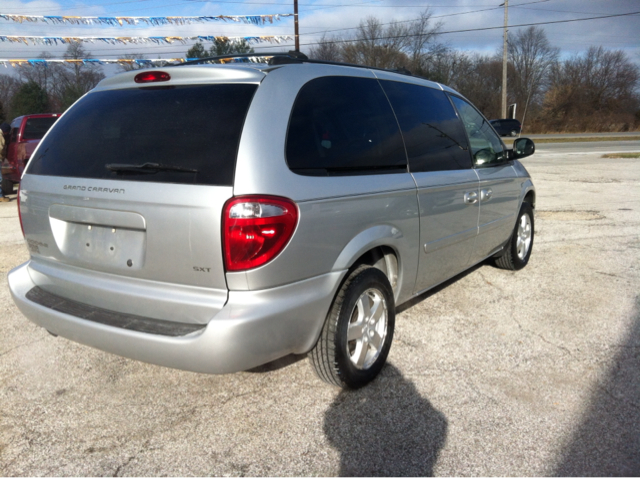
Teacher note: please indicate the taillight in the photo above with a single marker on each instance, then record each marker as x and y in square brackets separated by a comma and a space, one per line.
[151, 77]
[19, 211]
[255, 229]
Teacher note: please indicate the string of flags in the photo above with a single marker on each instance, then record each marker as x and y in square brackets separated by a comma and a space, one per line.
[131, 21]
[160, 40]
[86, 61]
[141, 62]
[153, 21]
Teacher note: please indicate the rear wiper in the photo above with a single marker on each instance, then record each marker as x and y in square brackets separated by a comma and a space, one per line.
[146, 168]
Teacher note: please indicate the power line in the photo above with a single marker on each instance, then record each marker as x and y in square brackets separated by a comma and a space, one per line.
[485, 28]
[442, 32]
[83, 27]
[432, 17]
[556, 11]
[314, 33]
[405, 21]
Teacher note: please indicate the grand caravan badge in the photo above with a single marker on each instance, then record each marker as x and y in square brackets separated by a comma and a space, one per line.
[93, 189]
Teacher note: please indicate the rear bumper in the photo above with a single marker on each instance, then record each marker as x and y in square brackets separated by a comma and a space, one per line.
[253, 328]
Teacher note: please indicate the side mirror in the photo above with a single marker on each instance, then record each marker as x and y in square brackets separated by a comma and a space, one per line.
[523, 147]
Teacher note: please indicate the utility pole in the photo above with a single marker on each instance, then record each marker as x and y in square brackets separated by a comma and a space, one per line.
[295, 23]
[504, 59]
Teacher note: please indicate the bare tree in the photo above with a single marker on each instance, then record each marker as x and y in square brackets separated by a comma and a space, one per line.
[77, 77]
[393, 45]
[477, 77]
[421, 44]
[133, 65]
[374, 45]
[596, 91]
[444, 66]
[328, 49]
[82, 75]
[532, 57]
[43, 74]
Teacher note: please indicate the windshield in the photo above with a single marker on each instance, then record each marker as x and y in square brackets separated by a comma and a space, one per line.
[190, 127]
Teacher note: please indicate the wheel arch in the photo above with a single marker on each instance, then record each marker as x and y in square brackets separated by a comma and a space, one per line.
[383, 258]
[374, 247]
[530, 198]
[529, 194]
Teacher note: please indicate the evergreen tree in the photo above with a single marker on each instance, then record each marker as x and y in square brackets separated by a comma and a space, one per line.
[221, 46]
[70, 95]
[30, 99]
[197, 51]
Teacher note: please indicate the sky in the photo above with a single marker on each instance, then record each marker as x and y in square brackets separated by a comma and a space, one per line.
[333, 17]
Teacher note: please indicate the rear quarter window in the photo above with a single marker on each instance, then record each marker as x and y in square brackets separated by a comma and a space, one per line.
[190, 127]
[344, 125]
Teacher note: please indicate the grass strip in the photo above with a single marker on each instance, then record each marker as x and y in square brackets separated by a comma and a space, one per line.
[622, 155]
[584, 139]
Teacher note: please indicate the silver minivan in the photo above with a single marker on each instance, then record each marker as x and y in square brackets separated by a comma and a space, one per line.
[216, 217]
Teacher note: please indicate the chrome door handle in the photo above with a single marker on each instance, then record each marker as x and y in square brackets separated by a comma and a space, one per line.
[471, 198]
[485, 194]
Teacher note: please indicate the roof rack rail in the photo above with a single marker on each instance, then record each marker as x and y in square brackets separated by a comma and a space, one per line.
[283, 58]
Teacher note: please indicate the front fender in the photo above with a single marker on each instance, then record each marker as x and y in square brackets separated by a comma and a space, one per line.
[528, 187]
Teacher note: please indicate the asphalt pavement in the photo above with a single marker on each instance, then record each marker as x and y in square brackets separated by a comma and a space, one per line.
[495, 373]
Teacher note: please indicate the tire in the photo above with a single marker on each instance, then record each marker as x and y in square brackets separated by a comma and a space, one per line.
[514, 133]
[518, 250]
[352, 350]
[7, 187]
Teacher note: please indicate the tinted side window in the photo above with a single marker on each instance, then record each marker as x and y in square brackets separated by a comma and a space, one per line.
[486, 147]
[433, 134]
[195, 128]
[342, 125]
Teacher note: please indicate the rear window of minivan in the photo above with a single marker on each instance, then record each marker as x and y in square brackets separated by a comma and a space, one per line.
[193, 128]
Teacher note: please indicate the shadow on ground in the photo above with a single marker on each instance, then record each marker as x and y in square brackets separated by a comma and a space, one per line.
[385, 429]
[607, 443]
[431, 292]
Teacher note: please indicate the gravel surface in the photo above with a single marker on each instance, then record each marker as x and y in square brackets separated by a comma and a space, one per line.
[495, 373]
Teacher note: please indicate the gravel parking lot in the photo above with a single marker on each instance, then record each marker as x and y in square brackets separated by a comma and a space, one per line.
[495, 373]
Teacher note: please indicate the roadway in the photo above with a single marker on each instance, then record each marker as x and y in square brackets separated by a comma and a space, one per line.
[602, 147]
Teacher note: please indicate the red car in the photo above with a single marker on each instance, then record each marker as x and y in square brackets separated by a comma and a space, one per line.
[26, 133]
